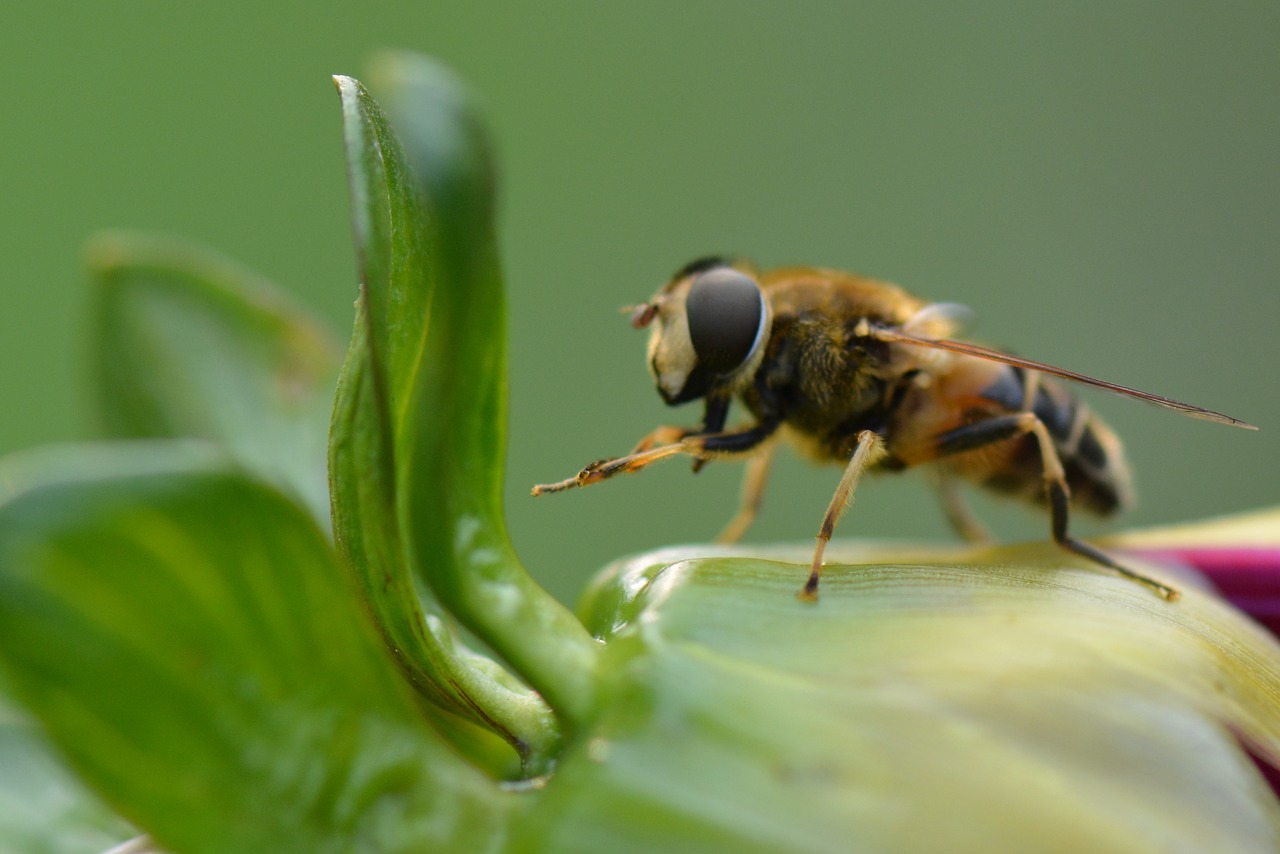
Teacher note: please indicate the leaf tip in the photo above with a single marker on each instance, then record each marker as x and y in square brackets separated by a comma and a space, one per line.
[344, 83]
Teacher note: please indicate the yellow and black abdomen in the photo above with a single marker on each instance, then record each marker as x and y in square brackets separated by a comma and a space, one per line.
[1092, 457]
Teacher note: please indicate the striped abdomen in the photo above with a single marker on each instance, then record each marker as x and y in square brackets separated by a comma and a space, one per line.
[1096, 471]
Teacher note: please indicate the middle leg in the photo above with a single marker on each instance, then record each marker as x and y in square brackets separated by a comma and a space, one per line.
[869, 449]
[753, 484]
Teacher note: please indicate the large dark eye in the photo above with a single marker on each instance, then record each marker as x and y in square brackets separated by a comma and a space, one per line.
[725, 310]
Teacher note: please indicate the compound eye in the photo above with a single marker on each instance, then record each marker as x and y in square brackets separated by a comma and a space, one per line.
[725, 310]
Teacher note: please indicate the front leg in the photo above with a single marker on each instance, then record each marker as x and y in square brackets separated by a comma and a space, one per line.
[700, 446]
[667, 434]
[713, 418]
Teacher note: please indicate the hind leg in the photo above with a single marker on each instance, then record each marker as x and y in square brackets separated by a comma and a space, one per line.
[1005, 427]
[961, 516]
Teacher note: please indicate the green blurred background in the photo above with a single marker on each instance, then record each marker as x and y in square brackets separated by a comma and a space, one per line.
[1100, 181]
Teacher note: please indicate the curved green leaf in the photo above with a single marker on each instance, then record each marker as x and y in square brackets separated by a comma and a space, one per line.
[417, 442]
[996, 701]
[362, 456]
[193, 649]
[452, 442]
[368, 537]
[190, 344]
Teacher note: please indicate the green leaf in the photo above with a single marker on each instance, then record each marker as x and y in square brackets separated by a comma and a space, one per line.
[438, 665]
[192, 647]
[190, 344]
[452, 440]
[419, 430]
[363, 477]
[1003, 700]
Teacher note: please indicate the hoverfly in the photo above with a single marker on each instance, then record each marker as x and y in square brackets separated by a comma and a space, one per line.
[859, 372]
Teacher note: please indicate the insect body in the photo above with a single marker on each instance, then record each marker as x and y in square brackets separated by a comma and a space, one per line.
[861, 373]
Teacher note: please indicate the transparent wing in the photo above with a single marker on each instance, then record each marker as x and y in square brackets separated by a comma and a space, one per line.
[907, 335]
